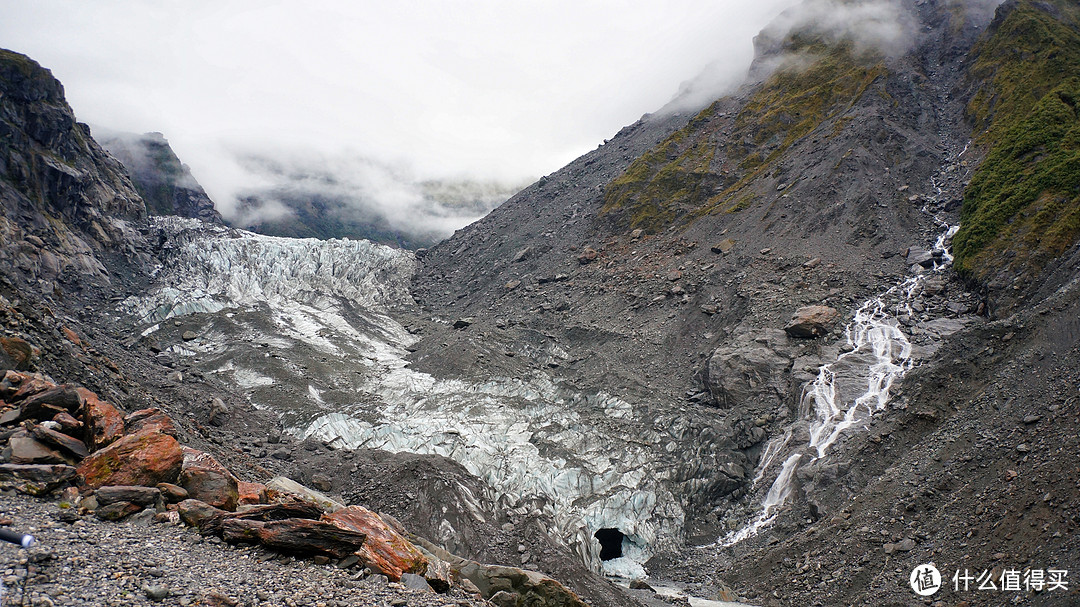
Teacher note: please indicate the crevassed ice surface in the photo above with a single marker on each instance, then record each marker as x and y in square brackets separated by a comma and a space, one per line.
[303, 327]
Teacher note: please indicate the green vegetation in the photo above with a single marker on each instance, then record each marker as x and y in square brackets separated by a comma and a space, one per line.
[799, 98]
[1022, 207]
[672, 175]
[682, 176]
[25, 65]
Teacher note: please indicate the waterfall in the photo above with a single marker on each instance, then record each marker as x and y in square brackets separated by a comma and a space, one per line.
[848, 391]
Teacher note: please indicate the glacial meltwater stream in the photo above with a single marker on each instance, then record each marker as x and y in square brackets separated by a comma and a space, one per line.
[848, 391]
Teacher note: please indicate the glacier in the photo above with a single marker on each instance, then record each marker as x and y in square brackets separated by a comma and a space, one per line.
[306, 329]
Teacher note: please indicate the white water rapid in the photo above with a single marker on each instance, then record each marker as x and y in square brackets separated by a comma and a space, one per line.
[848, 391]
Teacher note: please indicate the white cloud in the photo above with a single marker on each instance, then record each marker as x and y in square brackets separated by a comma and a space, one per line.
[483, 88]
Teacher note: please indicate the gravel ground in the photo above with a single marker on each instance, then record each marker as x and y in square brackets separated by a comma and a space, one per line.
[92, 562]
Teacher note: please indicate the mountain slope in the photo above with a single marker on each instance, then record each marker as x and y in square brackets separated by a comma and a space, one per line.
[165, 184]
[663, 265]
[1022, 209]
[66, 205]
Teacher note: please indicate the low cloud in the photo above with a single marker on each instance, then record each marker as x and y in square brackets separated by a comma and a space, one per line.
[353, 192]
[881, 25]
[441, 91]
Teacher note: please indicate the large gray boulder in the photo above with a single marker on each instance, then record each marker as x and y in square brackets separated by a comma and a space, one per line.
[753, 370]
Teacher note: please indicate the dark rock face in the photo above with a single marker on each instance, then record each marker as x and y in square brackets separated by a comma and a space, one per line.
[754, 369]
[165, 184]
[50, 167]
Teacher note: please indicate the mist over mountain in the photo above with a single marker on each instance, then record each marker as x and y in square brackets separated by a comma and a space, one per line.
[308, 195]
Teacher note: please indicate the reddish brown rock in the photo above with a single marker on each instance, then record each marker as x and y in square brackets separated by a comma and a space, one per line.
[10, 383]
[301, 535]
[19, 351]
[116, 510]
[812, 321]
[269, 512]
[68, 424]
[172, 493]
[588, 256]
[195, 513]
[104, 424]
[251, 493]
[146, 458]
[31, 385]
[154, 419]
[385, 550]
[207, 480]
[72, 336]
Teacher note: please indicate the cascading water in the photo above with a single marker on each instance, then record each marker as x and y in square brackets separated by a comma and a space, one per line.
[847, 392]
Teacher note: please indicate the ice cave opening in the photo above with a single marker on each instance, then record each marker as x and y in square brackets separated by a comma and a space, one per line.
[611, 541]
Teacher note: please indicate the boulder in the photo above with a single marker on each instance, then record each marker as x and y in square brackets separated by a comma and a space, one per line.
[588, 256]
[250, 493]
[812, 321]
[55, 438]
[385, 551]
[269, 512]
[439, 574]
[723, 246]
[300, 535]
[145, 458]
[103, 422]
[141, 496]
[532, 587]
[919, 256]
[172, 493]
[31, 385]
[750, 370]
[68, 424]
[280, 488]
[19, 353]
[48, 403]
[27, 450]
[152, 419]
[522, 255]
[205, 479]
[10, 416]
[116, 510]
[218, 411]
[415, 582]
[34, 479]
[195, 513]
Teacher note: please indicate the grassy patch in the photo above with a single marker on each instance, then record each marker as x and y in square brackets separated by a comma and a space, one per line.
[1022, 207]
[681, 176]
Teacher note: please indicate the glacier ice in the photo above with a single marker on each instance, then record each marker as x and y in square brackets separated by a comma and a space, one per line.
[533, 440]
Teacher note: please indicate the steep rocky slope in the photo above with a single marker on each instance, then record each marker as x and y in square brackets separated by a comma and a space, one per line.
[165, 184]
[662, 265]
[67, 205]
[597, 377]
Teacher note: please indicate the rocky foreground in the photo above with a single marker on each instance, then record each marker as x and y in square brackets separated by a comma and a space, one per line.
[124, 514]
[82, 560]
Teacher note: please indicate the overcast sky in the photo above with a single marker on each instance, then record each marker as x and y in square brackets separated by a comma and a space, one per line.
[491, 89]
